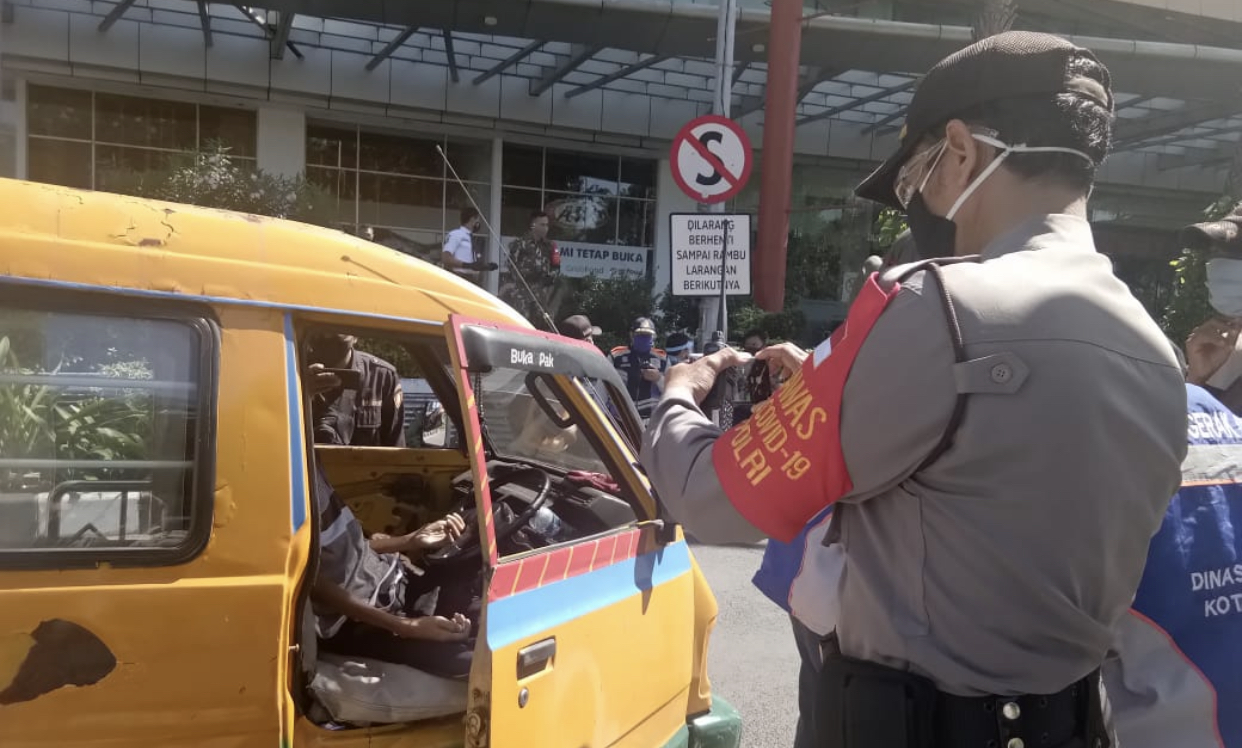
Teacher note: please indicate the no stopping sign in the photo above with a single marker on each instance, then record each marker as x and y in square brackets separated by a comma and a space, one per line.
[711, 159]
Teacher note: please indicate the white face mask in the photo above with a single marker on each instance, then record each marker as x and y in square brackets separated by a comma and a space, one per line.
[1224, 282]
[1005, 150]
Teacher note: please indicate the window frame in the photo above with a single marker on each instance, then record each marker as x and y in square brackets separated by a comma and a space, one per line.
[200, 320]
[95, 143]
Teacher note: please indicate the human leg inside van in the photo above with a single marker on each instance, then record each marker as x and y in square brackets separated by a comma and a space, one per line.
[366, 593]
[440, 643]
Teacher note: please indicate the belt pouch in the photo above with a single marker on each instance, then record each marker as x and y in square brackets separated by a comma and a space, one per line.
[864, 705]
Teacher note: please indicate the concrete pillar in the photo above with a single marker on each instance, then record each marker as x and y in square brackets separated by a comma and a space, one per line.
[19, 130]
[491, 280]
[784, 48]
[282, 141]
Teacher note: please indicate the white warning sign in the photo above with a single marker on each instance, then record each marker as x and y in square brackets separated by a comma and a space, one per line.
[697, 241]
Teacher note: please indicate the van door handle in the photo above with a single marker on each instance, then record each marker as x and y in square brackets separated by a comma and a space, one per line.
[534, 658]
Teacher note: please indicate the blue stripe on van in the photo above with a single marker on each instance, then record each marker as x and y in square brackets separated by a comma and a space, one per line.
[297, 448]
[541, 610]
[176, 296]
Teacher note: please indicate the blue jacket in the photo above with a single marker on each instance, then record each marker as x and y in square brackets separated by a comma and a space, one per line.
[1177, 679]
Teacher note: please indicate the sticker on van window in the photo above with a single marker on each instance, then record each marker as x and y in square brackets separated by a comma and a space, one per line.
[522, 357]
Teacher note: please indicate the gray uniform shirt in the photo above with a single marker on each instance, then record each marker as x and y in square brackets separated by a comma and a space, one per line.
[1003, 567]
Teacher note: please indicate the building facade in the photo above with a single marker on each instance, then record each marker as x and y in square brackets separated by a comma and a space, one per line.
[535, 109]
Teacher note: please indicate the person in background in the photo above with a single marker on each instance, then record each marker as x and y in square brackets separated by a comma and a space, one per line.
[679, 347]
[539, 263]
[757, 385]
[754, 341]
[1179, 651]
[1212, 349]
[372, 415]
[642, 366]
[579, 327]
[459, 255]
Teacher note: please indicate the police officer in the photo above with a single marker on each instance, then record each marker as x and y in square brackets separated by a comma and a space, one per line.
[642, 365]
[535, 257]
[1212, 350]
[998, 432]
[373, 415]
[679, 347]
[1179, 652]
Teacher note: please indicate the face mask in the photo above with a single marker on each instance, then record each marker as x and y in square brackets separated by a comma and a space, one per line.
[641, 344]
[936, 236]
[1224, 282]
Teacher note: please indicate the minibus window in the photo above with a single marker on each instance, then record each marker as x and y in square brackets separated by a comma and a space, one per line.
[100, 436]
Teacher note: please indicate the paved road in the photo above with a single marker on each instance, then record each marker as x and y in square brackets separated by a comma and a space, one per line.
[752, 660]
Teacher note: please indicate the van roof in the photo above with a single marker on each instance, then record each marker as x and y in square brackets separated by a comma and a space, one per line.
[57, 235]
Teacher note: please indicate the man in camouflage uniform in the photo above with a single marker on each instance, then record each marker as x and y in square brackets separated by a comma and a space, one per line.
[533, 256]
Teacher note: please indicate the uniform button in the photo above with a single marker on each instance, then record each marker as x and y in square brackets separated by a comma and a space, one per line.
[1001, 373]
[1011, 711]
[1015, 743]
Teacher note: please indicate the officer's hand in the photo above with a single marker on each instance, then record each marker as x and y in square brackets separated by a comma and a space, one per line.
[1208, 347]
[784, 359]
[651, 375]
[699, 377]
[321, 381]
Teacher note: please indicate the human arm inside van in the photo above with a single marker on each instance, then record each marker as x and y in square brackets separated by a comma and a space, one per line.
[332, 597]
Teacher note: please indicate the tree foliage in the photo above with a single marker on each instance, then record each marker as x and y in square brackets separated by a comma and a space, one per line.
[212, 178]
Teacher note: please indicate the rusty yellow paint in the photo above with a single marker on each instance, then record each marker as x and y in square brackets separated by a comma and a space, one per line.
[13, 651]
[206, 651]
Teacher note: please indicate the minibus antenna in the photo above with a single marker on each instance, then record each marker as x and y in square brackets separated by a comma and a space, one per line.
[513, 268]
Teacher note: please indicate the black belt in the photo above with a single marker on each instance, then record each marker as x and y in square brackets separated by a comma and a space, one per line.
[865, 705]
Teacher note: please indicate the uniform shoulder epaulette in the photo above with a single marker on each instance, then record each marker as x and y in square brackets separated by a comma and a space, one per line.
[659, 352]
[619, 350]
[902, 273]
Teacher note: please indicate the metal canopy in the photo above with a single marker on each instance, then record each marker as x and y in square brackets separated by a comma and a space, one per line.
[1170, 94]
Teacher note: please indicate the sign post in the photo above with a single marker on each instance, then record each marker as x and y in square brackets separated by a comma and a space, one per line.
[705, 176]
[711, 160]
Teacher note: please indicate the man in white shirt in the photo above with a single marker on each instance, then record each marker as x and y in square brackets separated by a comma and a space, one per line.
[459, 255]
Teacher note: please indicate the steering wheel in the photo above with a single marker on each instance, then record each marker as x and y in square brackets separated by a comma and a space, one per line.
[468, 546]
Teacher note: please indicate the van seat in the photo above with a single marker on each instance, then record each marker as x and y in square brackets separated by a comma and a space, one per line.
[361, 691]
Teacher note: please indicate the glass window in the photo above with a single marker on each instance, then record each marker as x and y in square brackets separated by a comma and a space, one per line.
[583, 218]
[396, 154]
[331, 146]
[114, 164]
[342, 186]
[580, 196]
[636, 223]
[103, 436]
[63, 162]
[58, 112]
[387, 200]
[102, 141]
[578, 172]
[522, 166]
[235, 128]
[516, 205]
[471, 158]
[151, 123]
[404, 189]
[638, 178]
[518, 427]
